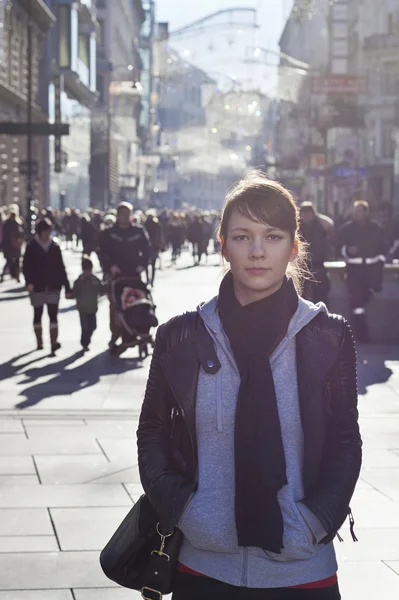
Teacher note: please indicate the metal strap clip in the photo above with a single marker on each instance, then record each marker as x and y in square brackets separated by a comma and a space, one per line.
[161, 552]
[145, 589]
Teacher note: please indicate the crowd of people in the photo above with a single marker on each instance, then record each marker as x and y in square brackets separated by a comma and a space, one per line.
[132, 244]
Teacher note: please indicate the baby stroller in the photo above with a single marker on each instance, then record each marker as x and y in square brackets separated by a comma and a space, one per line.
[135, 312]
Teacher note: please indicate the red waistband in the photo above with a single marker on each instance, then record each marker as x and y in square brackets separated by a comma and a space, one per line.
[324, 583]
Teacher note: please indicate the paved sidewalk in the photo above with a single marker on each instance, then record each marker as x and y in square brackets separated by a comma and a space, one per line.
[68, 463]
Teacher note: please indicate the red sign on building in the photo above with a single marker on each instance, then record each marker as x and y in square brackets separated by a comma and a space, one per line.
[338, 84]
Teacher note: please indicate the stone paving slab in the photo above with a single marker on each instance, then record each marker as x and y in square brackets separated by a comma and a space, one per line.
[368, 581]
[384, 480]
[51, 570]
[11, 426]
[37, 595]
[17, 465]
[372, 509]
[18, 445]
[86, 528]
[19, 480]
[26, 521]
[379, 457]
[135, 490]
[394, 565]
[122, 448]
[374, 545]
[64, 496]
[71, 469]
[57, 432]
[129, 475]
[103, 594]
[33, 543]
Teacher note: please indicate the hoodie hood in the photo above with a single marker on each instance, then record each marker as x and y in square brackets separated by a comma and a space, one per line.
[305, 313]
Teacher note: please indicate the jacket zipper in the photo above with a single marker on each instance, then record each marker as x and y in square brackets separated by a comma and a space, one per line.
[352, 525]
[244, 575]
[219, 411]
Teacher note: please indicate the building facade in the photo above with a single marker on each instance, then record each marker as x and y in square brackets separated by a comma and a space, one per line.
[71, 61]
[374, 53]
[300, 146]
[344, 130]
[14, 98]
[115, 141]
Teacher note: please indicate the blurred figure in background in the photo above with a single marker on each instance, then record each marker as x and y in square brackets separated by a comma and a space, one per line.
[390, 227]
[88, 235]
[363, 248]
[315, 235]
[198, 235]
[154, 231]
[13, 238]
[67, 229]
[176, 235]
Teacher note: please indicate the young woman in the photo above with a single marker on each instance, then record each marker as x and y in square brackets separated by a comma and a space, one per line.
[248, 438]
[45, 276]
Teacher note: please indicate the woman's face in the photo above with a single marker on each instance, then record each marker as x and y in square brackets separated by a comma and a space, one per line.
[258, 255]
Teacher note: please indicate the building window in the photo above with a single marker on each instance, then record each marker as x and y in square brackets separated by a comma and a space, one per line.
[339, 66]
[64, 44]
[100, 33]
[339, 29]
[390, 79]
[340, 12]
[388, 142]
[340, 48]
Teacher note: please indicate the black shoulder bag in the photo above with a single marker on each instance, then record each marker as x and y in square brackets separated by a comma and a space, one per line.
[141, 556]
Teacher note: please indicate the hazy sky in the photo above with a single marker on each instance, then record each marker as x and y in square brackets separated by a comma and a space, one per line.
[271, 13]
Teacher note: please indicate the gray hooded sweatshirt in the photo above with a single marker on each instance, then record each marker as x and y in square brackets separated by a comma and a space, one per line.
[210, 543]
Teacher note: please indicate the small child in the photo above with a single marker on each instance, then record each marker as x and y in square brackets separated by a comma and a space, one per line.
[86, 289]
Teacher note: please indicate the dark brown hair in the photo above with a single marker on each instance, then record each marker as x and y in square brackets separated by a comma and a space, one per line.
[266, 201]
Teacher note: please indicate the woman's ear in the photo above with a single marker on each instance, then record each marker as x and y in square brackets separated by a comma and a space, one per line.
[225, 254]
[295, 250]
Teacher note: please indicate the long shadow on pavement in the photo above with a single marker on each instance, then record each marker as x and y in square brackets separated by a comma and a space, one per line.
[66, 309]
[70, 381]
[11, 298]
[371, 365]
[10, 369]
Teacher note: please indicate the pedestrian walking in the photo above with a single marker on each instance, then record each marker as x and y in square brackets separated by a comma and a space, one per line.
[248, 439]
[89, 236]
[363, 248]
[87, 289]
[12, 242]
[124, 252]
[198, 237]
[313, 232]
[45, 276]
[154, 230]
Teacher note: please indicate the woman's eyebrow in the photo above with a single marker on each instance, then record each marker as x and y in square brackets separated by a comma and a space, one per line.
[248, 230]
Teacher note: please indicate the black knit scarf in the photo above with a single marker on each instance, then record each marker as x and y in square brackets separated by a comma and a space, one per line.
[254, 331]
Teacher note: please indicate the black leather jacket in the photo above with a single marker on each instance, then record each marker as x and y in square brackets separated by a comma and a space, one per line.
[326, 365]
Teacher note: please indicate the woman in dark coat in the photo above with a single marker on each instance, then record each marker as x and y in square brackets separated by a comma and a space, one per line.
[248, 440]
[45, 276]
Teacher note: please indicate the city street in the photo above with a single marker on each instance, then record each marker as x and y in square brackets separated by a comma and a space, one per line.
[68, 461]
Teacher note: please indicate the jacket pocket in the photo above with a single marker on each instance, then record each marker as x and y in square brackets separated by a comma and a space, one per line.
[297, 539]
[208, 522]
